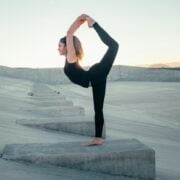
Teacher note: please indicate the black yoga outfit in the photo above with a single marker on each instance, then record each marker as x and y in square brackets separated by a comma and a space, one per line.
[96, 76]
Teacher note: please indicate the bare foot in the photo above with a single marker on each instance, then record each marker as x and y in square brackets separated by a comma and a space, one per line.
[95, 141]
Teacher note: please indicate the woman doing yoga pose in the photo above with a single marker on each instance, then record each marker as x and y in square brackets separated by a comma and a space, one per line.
[96, 76]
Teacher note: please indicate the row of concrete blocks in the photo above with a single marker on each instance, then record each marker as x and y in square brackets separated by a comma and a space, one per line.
[61, 113]
[124, 157]
[69, 118]
[128, 157]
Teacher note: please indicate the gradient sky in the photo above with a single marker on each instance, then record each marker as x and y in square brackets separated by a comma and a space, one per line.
[147, 30]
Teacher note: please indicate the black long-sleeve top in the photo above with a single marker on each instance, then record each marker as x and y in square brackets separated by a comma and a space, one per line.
[82, 77]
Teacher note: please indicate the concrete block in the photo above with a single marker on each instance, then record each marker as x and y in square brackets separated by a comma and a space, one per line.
[85, 128]
[58, 111]
[48, 98]
[40, 120]
[124, 157]
[42, 94]
[52, 103]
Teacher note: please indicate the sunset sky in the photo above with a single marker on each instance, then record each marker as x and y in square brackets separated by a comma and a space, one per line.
[147, 31]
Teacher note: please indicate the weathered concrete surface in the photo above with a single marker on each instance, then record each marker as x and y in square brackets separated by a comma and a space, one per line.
[85, 127]
[58, 111]
[42, 92]
[126, 157]
[48, 98]
[53, 120]
[12, 170]
[51, 103]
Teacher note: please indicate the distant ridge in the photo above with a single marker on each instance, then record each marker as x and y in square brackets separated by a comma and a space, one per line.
[117, 73]
[161, 65]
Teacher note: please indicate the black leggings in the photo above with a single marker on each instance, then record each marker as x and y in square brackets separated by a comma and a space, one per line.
[98, 77]
[99, 72]
[98, 98]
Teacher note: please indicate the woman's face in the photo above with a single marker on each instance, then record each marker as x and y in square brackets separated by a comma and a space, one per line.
[62, 49]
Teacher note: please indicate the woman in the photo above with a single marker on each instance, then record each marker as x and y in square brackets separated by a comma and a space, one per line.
[96, 76]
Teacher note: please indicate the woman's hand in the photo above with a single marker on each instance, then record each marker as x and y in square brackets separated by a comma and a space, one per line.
[81, 19]
[90, 21]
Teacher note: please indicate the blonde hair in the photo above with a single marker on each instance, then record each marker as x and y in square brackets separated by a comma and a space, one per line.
[77, 46]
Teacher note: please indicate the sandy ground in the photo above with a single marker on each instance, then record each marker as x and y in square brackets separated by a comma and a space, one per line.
[148, 111]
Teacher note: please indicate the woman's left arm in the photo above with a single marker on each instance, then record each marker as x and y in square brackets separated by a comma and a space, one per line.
[71, 53]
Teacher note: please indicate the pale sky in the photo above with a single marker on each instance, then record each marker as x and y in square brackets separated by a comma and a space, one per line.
[147, 30]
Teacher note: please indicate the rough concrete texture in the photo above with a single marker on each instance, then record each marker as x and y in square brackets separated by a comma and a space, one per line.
[85, 128]
[126, 157]
[51, 103]
[48, 97]
[45, 119]
[57, 111]
[11, 170]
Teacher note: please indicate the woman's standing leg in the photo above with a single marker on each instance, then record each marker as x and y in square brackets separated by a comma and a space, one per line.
[98, 75]
[99, 91]
[98, 98]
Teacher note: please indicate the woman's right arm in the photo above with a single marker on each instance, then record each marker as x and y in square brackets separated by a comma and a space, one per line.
[71, 54]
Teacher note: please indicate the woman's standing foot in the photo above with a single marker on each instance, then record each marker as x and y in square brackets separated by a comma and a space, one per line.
[95, 141]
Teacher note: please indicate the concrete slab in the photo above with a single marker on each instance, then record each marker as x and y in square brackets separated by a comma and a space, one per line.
[12, 170]
[124, 157]
[85, 128]
[58, 111]
[42, 94]
[52, 103]
[46, 101]
[48, 98]
[41, 106]
[40, 120]
[43, 91]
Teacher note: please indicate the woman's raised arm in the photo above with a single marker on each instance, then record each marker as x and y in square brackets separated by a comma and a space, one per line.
[71, 54]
